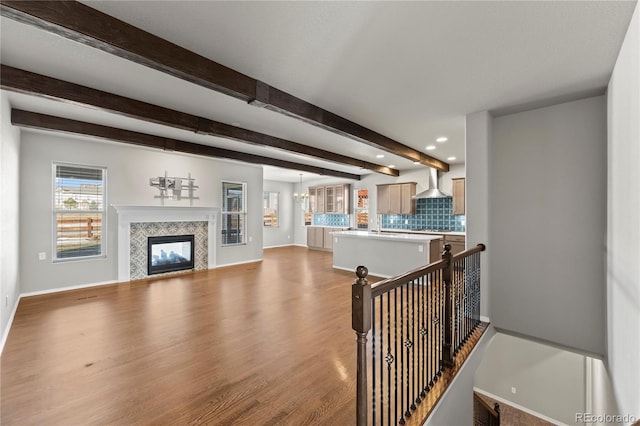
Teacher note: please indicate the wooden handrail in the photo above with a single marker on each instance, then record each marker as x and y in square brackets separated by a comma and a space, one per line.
[483, 413]
[390, 283]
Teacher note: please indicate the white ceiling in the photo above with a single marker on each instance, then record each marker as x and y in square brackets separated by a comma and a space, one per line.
[408, 70]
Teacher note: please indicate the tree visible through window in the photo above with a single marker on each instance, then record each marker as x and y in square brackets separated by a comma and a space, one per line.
[233, 213]
[78, 211]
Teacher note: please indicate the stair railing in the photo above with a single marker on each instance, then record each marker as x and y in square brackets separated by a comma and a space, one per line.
[417, 321]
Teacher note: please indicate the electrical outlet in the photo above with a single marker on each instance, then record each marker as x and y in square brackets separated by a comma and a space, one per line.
[513, 390]
[250, 239]
[6, 301]
[42, 255]
[420, 248]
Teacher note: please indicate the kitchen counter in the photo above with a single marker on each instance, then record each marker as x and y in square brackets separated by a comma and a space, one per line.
[384, 254]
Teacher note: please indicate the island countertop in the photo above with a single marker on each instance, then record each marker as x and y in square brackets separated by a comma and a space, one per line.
[384, 254]
[408, 238]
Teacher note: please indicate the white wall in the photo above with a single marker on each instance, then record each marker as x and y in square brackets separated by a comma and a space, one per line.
[623, 224]
[548, 380]
[128, 171]
[283, 234]
[547, 223]
[9, 216]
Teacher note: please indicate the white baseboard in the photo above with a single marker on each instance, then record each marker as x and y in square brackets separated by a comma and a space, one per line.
[280, 245]
[238, 263]
[5, 335]
[73, 287]
[519, 407]
[374, 274]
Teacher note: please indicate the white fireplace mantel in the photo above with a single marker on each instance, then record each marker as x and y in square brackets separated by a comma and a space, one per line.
[128, 214]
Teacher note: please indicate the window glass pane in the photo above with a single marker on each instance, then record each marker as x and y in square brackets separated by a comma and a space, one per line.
[78, 235]
[233, 226]
[78, 188]
[232, 197]
[79, 202]
[270, 209]
[232, 229]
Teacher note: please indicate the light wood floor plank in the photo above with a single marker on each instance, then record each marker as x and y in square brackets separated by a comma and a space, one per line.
[266, 343]
[262, 343]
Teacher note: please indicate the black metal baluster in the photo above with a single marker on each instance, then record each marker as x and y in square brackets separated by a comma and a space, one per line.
[390, 357]
[442, 323]
[401, 421]
[423, 364]
[382, 358]
[397, 410]
[407, 345]
[373, 358]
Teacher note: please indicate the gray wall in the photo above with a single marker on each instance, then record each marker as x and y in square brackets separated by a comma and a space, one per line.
[623, 224]
[456, 405]
[547, 203]
[283, 234]
[478, 140]
[9, 217]
[548, 380]
[128, 171]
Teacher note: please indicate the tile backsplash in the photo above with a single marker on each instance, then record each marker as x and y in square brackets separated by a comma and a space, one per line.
[336, 220]
[431, 213]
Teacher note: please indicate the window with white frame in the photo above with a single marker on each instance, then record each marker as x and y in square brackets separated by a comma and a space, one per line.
[234, 213]
[79, 213]
[270, 209]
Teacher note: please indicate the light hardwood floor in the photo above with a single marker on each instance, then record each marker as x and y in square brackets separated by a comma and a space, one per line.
[266, 343]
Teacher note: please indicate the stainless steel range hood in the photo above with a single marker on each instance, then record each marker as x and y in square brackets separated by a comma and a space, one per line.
[432, 191]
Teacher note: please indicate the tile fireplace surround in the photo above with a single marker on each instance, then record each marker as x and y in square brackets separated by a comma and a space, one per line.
[128, 215]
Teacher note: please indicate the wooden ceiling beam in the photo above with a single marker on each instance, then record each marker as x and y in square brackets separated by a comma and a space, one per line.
[39, 121]
[83, 24]
[26, 82]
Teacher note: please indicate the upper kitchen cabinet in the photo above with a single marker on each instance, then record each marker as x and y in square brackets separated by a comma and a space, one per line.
[397, 198]
[316, 199]
[458, 195]
[329, 199]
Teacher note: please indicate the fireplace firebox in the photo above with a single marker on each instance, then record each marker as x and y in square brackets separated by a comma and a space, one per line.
[170, 253]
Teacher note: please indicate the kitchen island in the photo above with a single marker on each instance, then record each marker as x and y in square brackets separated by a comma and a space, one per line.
[384, 254]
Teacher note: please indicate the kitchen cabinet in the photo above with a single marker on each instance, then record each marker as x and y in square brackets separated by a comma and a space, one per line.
[458, 195]
[320, 238]
[457, 242]
[328, 238]
[316, 199]
[329, 199]
[407, 202]
[315, 237]
[435, 250]
[397, 198]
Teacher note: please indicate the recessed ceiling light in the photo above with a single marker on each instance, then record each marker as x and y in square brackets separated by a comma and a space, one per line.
[235, 123]
[442, 139]
[416, 162]
[451, 158]
[430, 147]
[379, 156]
[391, 166]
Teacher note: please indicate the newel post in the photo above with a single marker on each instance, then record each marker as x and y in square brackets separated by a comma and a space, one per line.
[447, 354]
[361, 324]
